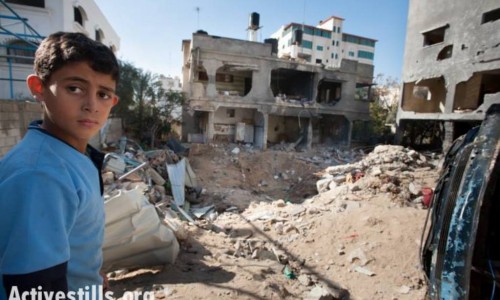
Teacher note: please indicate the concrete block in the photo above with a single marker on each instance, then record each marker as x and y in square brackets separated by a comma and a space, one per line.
[14, 132]
[9, 124]
[9, 141]
[33, 107]
[10, 106]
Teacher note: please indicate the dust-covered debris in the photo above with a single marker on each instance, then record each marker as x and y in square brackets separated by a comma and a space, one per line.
[387, 169]
[265, 230]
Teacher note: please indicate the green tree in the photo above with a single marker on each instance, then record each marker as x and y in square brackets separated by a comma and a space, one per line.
[383, 109]
[145, 107]
[125, 89]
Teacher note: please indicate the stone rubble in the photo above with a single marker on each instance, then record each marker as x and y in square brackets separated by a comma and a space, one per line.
[387, 169]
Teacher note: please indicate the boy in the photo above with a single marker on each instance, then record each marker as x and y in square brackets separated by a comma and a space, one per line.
[51, 206]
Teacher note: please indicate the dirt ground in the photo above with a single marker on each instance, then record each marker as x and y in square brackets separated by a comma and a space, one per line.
[275, 237]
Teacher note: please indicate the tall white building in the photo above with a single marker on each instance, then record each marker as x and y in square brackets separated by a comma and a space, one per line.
[171, 83]
[24, 23]
[324, 44]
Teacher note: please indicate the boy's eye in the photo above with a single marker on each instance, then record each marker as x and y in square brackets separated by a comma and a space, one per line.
[74, 89]
[104, 95]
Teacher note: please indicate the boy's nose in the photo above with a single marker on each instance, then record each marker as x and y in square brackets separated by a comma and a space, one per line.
[90, 103]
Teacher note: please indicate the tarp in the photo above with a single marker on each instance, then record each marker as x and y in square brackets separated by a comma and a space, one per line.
[176, 175]
[134, 235]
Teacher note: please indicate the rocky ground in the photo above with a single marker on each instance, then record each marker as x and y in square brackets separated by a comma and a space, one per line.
[322, 224]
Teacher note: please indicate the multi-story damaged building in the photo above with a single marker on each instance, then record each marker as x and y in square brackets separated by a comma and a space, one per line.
[241, 91]
[451, 72]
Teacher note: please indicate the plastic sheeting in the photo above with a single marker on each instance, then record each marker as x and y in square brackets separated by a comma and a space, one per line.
[177, 177]
[134, 235]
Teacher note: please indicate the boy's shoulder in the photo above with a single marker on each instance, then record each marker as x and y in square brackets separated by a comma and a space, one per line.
[36, 150]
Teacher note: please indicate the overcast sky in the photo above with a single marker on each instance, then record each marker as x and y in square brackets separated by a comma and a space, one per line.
[152, 31]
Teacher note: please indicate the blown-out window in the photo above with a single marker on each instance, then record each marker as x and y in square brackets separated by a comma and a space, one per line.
[434, 36]
[491, 16]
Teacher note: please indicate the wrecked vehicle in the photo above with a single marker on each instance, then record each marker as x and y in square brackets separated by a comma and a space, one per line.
[461, 253]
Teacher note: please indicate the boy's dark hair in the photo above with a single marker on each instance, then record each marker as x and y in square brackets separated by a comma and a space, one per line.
[62, 48]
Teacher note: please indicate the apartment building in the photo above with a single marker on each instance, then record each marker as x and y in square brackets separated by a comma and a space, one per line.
[242, 91]
[451, 71]
[24, 23]
[325, 44]
[171, 83]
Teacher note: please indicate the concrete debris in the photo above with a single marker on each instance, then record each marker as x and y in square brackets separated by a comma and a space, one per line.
[305, 279]
[364, 271]
[322, 185]
[199, 212]
[145, 205]
[386, 170]
[114, 163]
[358, 254]
[348, 178]
[404, 289]
[280, 203]
[321, 293]
[415, 189]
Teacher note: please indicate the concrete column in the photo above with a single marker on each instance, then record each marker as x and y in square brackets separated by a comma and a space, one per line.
[309, 134]
[349, 133]
[211, 68]
[210, 126]
[450, 97]
[261, 79]
[399, 134]
[448, 135]
[316, 79]
[264, 136]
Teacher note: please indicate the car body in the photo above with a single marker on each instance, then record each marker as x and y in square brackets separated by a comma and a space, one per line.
[461, 252]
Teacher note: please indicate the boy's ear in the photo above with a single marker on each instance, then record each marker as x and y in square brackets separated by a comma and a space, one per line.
[35, 85]
[115, 100]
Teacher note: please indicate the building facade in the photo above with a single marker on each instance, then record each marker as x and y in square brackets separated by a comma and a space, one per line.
[241, 91]
[24, 23]
[451, 71]
[171, 83]
[324, 44]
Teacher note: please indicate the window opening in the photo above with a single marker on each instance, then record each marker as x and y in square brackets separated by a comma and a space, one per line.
[434, 36]
[491, 16]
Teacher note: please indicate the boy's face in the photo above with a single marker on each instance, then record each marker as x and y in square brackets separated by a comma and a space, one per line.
[76, 101]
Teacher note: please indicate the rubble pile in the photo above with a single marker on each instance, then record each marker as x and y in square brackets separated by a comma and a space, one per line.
[144, 195]
[328, 246]
[387, 169]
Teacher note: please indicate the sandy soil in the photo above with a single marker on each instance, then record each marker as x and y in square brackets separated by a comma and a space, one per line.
[280, 239]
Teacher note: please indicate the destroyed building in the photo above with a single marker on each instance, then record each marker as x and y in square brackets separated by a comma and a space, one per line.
[451, 72]
[242, 91]
[23, 25]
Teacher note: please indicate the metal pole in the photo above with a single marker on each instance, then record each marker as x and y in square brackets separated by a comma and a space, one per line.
[11, 82]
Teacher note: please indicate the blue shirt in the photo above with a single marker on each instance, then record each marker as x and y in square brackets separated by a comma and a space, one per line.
[51, 210]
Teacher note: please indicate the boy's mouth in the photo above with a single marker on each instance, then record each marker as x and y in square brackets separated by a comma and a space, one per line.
[88, 123]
